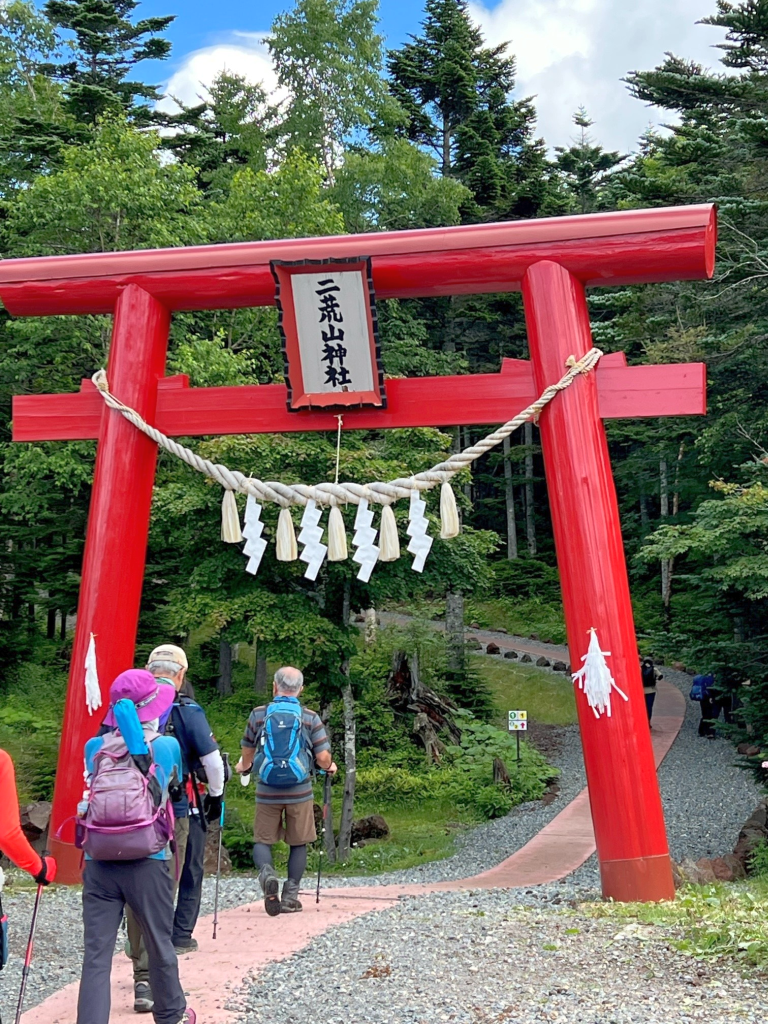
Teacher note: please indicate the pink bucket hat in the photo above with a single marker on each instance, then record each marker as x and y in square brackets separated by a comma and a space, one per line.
[152, 699]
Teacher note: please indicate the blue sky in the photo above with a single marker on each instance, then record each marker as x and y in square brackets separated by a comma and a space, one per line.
[570, 52]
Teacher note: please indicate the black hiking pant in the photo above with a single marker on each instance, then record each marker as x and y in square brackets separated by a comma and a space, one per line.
[710, 713]
[146, 887]
[190, 883]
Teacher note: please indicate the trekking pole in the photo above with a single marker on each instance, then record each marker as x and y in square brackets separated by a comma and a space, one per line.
[326, 813]
[218, 873]
[30, 944]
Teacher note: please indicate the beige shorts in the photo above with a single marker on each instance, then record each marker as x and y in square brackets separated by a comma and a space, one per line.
[293, 823]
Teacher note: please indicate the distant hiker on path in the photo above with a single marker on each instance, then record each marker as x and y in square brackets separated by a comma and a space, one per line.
[201, 762]
[13, 842]
[282, 741]
[125, 826]
[650, 676]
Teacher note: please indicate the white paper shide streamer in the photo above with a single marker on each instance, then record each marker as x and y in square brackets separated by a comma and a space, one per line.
[255, 545]
[92, 688]
[595, 678]
[311, 537]
[420, 543]
[364, 540]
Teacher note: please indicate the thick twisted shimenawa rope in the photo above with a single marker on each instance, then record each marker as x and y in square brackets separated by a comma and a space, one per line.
[348, 493]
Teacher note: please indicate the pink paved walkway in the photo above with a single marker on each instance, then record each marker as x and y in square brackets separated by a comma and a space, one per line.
[248, 939]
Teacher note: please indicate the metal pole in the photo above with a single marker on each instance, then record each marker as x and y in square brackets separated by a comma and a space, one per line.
[28, 957]
[326, 815]
[218, 872]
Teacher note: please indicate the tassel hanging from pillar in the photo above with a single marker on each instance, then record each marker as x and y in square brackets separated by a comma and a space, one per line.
[389, 542]
[337, 536]
[92, 688]
[287, 549]
[449, 514]
[230, 519]
[595, 678]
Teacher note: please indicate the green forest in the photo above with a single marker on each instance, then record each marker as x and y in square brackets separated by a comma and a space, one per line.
[368, 139]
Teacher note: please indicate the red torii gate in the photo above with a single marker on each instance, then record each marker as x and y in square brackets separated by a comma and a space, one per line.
[551, 261]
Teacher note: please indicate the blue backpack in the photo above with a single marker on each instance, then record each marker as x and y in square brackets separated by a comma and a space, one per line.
[700, 687]
[284, 759]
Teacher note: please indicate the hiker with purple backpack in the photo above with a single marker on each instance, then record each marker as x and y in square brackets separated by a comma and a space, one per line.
[125, 827]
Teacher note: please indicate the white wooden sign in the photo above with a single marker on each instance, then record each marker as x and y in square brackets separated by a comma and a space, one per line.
[328, 322]
[518, 721]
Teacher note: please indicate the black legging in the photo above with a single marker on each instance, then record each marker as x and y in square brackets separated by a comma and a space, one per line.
[297, 859]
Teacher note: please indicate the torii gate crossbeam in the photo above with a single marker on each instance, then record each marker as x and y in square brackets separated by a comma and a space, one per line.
[551, 261]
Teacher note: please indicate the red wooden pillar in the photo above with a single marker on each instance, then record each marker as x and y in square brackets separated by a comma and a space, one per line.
[623, 788]
[116, 543]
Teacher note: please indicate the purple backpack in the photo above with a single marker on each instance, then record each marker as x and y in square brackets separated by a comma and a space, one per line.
[124, 820]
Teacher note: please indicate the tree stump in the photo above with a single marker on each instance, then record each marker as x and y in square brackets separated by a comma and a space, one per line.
[433, 714]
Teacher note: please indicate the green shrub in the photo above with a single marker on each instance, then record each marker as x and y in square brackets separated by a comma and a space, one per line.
[527, 578]
[758, 862]
[493, 802]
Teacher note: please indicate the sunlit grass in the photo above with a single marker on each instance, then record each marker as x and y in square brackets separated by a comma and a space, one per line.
[547, 696]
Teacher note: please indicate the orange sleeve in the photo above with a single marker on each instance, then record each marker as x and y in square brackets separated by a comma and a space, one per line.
[13, 842]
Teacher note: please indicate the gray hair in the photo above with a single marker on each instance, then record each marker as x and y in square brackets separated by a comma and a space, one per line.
[153, 725]
[164, 668]
[289, 680]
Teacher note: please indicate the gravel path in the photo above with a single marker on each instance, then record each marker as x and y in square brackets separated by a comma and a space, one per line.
[494, 957]
[706, 800]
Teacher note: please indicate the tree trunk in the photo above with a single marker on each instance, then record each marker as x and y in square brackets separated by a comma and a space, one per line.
[350, 770]
[509, 493]
[666, 563]
[224, 683]
[260, 674]
[446, 168]
[51, 624]
[371, 626]
[454, 631]
[530, 519]
[63, 634]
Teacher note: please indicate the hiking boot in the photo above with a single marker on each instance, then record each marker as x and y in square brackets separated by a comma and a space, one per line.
[190, 946]
[190, 1017]
[289, 904]
[270, 886]
[142, 997]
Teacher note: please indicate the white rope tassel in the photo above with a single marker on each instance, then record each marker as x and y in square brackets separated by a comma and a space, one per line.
[287, 551]
[420, 543]
[255, 545]
[364, 540]
[595, 678]
[389, 541]
[337, 536]
[92, 688]
[230, 519]
[311, 537]
[449, 514]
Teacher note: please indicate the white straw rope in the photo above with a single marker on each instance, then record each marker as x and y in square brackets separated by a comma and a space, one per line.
[352, 493]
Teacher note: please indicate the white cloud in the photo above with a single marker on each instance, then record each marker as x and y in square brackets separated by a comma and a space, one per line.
[243, 53]
[573, 53]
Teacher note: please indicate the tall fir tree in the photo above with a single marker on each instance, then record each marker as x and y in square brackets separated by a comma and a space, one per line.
[107, 46]
[456, 93]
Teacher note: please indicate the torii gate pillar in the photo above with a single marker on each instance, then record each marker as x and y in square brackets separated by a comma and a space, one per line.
[618, 756]
[552, 261]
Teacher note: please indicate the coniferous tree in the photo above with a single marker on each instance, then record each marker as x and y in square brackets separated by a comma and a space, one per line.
[585, 166]
[456, 94]
[107, 46]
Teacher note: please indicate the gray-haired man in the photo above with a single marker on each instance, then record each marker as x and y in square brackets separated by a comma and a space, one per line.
[286, 811]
